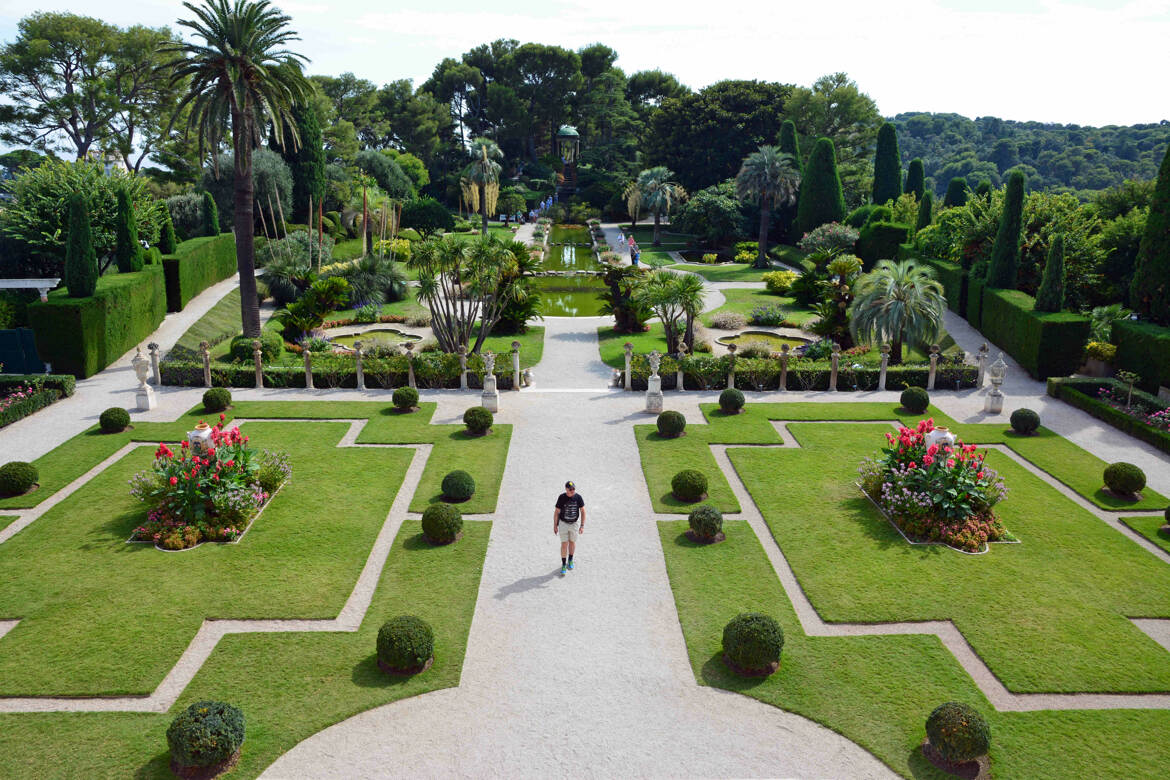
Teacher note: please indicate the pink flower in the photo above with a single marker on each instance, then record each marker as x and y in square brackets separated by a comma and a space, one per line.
[914, 465]
[950, 463]
[979, 475]
[932, 449]
[927, 460]
[174, 480]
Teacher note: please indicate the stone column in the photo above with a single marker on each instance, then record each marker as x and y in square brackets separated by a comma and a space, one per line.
[515, 365]
[462, 367]
[156, 378]
[490, 399]
[835, 359]
[933, 367]
[410, 364]
[885, 365]
[783, 366]
[981, 361]
[731, 370]
[357, 357]
[680, 379]
[629, 358]
[205, 353]
[258, 357]
[654, 384]
[308, 369]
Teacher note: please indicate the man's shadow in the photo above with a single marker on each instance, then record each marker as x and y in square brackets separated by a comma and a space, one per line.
[527, 584]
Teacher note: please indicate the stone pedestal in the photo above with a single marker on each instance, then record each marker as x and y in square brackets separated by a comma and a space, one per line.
[994, 402]
[490, 399]
[155, 376]
[145, 398]
[885, 365]
[654, 395]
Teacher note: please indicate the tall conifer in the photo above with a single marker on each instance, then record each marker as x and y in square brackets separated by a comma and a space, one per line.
[887, 166]
[956, 193]
[1150, 289]
[821, 198]
[210, 215]
[915, 178]
[1050, 296]
[1005, 255]
[925, 207]
[81, 270]
[127, 250]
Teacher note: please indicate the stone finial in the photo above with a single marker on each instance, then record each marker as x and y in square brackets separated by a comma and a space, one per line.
[885, 349]
[784, 350]
[515, 346]
[489, 362]
[836, 348]
[732, 347]
[655, 360]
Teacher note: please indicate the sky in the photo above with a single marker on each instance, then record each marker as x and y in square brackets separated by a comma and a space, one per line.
[1087, 62]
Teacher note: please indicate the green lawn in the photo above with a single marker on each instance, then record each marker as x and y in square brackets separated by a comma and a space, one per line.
[1149, 526]
[612, 344]
[406, 307]
[644, 235]
[725, 272]
[6, 520]
[219, 324]
[744, 301]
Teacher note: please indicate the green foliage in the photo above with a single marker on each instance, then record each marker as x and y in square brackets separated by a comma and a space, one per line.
[114, 420]
[458, 486]
[167, 243]
[925, 211]
[308, 312]
[915, 179]
[689, 485]
[1143, 348]
[821, 199]
[957, 190]
[205, 734]
[778, 282]
[81, 271]
[427, 216]
[1150, 289]
[478, 420]
[731, 400]
[196, 265]
[1050, 297]
[405, 399]
[405, 643]
[958, 732]
[752, 642]
[859, 216]
[127, 250]
[271, 347]
[887, 166]
[706, 521]
[386, 172]
[914, 400]
[306, 163]
[1083, 394]
[880, 241]
[713, 214]
[272, 186]
[209, 216]
[878, 213]
[1124, 478]
[1025, 421]
[1044, 343]
[1005, 256]
[671, 424]
[1121, 239]
[442, 523]
[216, 399]
[17, 478]
[898, 302]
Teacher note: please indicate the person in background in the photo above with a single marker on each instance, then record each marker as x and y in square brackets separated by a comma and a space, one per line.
[568, 523]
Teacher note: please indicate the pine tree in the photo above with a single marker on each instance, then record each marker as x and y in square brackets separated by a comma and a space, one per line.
[1005, 255]
[81, 270]
[821, 198]
[1150, 289]
[210, 216]
[956, 193]
[789, 143]
[786, 215]
[925, 209]
[167, 242]
[915, 178]
[306, 162]
[127, 250]
[887, 166]
[1050, 296]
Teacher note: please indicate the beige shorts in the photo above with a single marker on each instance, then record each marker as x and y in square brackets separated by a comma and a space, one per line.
[568, 532]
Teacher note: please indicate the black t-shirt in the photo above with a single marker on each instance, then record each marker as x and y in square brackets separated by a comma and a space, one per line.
[570, 507]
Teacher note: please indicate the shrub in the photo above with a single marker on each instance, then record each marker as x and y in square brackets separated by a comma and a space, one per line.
[186, 215]
[779, 282]
[405, 399]
[1025, 421]
[205, 734]
[1100, 350]
[859, 216]
[752, 643]
[831, 236]
[772, 316]
[1124, 478]
[880, 241]
[17, 478]
[728, 320]
[689, 485]
[478, 420]
[958, 732]
[754, 349]
[706, 521]
[915, 400]
[821, 198]
[441, 523]
[405, 644]
[710, 258]
[167, 241]
[216, 399]
[114, 420]
[1166, 515]
[1044, 343]
[81, 269]
[197, 265]
[458, 486]
[731, 400]
[271, 347]
[671, 424]
[745, 257]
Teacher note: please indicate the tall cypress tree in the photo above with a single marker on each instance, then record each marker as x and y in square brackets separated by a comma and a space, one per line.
[1005, 255]
[956, 193]
[786, 215]
[306, 162]
[983, 189]
[1050, 296]
[1150, 290]
[210, 215]
[127, 251]
[925, 207]
[915, 178]
[167, 242]
[887, 166]
[789, 142]
[81, 270]
[821, 198]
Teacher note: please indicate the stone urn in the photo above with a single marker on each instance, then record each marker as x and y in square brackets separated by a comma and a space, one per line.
[940, 436]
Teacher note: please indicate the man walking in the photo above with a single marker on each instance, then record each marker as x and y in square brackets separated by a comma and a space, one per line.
[568, 523]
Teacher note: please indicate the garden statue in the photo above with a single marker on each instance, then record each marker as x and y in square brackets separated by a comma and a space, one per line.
[145, 395]
[490, 399]
[997, 373]
[654, 384]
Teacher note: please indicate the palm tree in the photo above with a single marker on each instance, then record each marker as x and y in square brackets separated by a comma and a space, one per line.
[240, 75]
[768, 177]
[659, 195]
[689, 289]
[658, 292]
[902, 302]
[484, 173]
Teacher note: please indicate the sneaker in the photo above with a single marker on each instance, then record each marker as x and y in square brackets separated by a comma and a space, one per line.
[570, 565]
[563, 569]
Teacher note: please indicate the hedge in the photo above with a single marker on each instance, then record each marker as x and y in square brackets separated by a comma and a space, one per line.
[973, 306]
[953, 278]
[81, 336]
[196, 265]
[1144, 348]
[48, 389]
[1044, 343]
[1082, 393]
[880, 241]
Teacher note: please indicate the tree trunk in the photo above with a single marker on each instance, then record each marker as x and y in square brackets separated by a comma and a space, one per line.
[483, 207]
[689, 335]
[242, 221]
[896, 353]
[657, 229]
[762, 258]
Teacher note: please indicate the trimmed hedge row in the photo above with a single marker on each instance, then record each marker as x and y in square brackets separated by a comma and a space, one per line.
[954, 281]
[973, 306]
[1044, 343]
[1082, 393]
[1143, 348]
[81, 336]
[34, 403]
[64, 384]
[196, 265]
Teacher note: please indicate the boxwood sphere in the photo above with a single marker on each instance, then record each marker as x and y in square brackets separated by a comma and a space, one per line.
[17, 478]
[271, 347]
[958, 732]
[114, 420]
[478, 419]
[706, 521]
[205, 734]
[458, 486]
[671, 423]
[405, 643]
[441, 523]
[216, 399]
[731, 400]
[689, 485]
[752, 642]
[1025, 421]
[405, 398]
[915, 400]
[1124, 478]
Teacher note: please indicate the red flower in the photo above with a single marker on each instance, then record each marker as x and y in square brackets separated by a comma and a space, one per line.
[222, 417]
[927, 460]
[932, 449]
[174, 480]
[230, 463]
[185, 444]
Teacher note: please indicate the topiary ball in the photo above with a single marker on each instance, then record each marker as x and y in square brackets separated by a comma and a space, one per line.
[752, 643]
[1025, 421]
[706, 522]
[458, 486]
[478, 420]
[731, 400]
[958, 732]
[1166, 515]
[406, 645]
[205, 734]
[1124, 478]
[114, 420]
[689, 485]
[915, 400]
[271, 347]
[441, 523]
[216, 399]
[671, 424]
[17, 478]
[405, 398]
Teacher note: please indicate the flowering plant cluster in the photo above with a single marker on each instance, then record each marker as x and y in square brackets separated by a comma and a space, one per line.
[205, 496]
[936, 493]
[16, 396]
[1119, 399]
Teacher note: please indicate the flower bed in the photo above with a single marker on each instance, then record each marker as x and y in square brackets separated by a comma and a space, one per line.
[210, 495]
[1086, 394]
[21, 395]
[1121, 399]
[936, 493]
